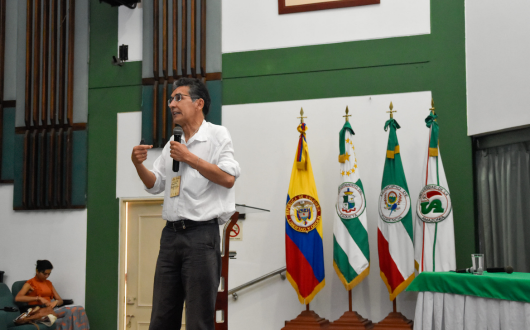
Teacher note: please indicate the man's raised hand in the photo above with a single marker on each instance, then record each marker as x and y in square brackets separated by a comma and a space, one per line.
[139, 153]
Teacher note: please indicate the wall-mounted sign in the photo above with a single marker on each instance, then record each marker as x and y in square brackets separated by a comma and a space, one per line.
[236, 234]
[297, 6]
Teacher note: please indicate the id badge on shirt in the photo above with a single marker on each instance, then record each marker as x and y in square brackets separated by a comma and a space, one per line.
[175, 186]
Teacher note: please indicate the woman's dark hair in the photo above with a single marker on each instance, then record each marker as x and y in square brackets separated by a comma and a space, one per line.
[197, 91]
[43, 265]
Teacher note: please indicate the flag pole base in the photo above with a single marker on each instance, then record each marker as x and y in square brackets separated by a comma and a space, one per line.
[351, 321]
[394, 320]
[307, 320]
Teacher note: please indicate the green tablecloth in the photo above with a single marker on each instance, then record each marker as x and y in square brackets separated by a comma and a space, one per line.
[515, 286]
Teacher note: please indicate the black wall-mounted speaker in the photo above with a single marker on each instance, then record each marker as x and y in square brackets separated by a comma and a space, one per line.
[127, 3]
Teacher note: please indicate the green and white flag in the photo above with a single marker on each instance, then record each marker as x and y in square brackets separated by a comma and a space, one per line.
[434, 237]
[351, 252]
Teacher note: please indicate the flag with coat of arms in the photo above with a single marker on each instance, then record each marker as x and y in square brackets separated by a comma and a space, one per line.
[395, 226]
[351, 252]
[303, 227]
[434, 228]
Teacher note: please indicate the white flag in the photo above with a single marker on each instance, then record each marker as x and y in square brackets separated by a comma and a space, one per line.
[434, 238]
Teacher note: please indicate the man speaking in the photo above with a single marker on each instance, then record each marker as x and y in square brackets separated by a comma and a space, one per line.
[197, 199]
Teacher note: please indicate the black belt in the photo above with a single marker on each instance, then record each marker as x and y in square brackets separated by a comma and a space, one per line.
[186, 224]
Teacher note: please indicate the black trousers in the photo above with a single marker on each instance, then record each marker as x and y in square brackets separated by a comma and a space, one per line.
[188, 269]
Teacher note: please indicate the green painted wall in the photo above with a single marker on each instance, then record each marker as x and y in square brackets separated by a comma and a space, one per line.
[434, 62]
[8, 144]
[111, 90]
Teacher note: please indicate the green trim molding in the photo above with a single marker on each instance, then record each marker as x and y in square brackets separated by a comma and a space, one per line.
[434, 62]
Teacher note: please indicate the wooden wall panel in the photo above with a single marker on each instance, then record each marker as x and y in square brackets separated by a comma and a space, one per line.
[36, 62]
[203, 38]
[60, 172]
[29, 54]
[2, 48]
[164, 114]
[155, 114]
[71, 43]
[193, 44]
[25, 170]
[175, 38]
[156, 54]
[164, 38]
[2, 72]
[51, 167]
[49, 105]
[62, 63]
[195, 50]
[53, 69]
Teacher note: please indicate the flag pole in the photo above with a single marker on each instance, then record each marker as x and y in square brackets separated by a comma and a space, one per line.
[394, 305]
[307, 307]
[432, 107]
[391, 107]
[302, 115]
[349, 299]
[347, 115]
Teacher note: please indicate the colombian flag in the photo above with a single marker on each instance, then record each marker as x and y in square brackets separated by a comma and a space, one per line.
[303, 227]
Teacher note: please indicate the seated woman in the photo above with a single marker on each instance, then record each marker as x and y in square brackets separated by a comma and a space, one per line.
[40, 291]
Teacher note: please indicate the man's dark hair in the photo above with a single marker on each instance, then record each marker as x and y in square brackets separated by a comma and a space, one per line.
[197, 91]
[43, 265]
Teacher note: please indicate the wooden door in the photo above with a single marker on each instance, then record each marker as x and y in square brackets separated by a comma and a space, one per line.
[143, 229]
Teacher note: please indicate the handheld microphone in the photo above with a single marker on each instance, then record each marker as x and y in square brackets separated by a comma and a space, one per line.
[507, 270]
[177, 134]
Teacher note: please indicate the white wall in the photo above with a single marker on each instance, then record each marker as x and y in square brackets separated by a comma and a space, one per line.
[130, 31]
[59, 236]
[255, 24]
[498, 70]
[265, 140]
[128, 184]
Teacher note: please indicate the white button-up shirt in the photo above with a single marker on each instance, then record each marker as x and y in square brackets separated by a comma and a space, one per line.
[199, 198]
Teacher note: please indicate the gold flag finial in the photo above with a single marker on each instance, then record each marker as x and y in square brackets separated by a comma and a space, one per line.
[347, 115]
[301, 116]
[391, 107]
[432, 106]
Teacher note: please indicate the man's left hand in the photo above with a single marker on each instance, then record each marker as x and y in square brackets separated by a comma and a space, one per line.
[178, 151]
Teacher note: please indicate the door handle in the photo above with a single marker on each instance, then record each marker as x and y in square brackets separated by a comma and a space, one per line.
[129, 318]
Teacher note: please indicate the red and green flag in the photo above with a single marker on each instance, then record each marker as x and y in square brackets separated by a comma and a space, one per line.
[395, 238]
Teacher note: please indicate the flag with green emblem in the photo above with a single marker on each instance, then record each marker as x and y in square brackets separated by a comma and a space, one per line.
[395, 228]
[434, 249]
[351, 252]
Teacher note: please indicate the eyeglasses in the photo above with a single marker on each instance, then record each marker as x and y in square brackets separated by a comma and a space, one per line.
[176, 98]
